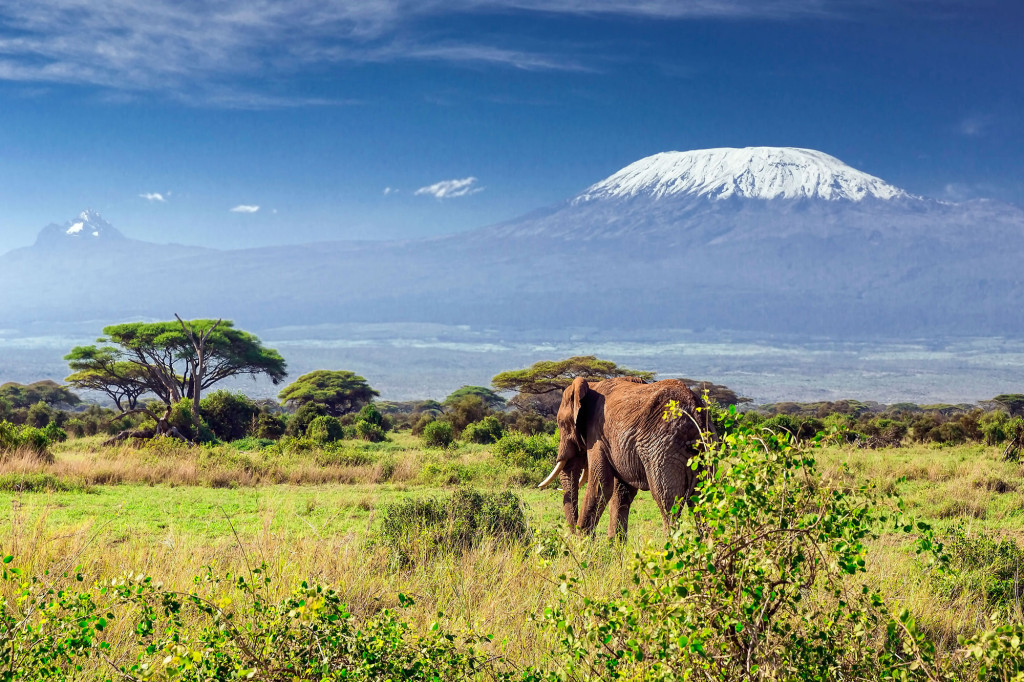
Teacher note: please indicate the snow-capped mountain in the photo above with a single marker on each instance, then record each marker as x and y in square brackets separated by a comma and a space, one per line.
[749, 173]
[88, 227]
[769, 240]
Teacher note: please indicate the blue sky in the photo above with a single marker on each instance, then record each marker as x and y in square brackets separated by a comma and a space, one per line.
[395, 118]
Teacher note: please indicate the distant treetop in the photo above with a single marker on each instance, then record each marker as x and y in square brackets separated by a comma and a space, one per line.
[1011, 402]
[49, 392]
[555, 375]
[490, 398]
[340, 391]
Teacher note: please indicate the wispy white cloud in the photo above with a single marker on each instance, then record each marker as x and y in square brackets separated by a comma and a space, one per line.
[964, 191]
[200, 51]
[245, 208]
[450, 189]
[389, 190]
[154, 196]
[975, 125]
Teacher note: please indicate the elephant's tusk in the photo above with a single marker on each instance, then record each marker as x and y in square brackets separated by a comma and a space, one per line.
[558, 469]
[584, 476]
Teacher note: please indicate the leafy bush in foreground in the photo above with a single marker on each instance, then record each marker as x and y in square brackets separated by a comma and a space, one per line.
[763, 586]
[50, 627]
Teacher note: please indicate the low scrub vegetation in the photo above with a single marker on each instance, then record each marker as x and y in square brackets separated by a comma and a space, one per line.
[773, 581]
[827, 541]
[424, 527]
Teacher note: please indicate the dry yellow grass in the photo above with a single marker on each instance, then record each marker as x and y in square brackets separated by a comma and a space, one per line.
[489, 589]
[492, 588]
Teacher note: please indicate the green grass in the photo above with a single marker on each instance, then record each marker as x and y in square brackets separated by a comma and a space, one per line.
[171, 512]
[152, 513]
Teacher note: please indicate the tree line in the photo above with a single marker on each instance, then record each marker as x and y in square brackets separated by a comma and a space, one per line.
[160, 377]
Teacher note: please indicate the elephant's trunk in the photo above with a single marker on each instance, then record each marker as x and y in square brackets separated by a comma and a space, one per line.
[559, 465]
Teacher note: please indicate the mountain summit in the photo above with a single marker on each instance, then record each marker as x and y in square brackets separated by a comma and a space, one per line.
[750, 172]
[89, 226]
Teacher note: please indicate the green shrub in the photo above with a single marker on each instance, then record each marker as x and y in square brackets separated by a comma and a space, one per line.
[528, 452]
[986, 568]
[77, 428]
[229, 415]
[487, 430]
[370, 432]
[420, 425]
[371, 415]
[800, 428]
[181, 418]
[268, 425]
[39, 415]
[299, 422]
[54, 626]
[325, 429]
[344, 456]
[525, 422]
[252, 443]
[465, 411]
[453, 524]
[438, 434]
[993, 427]
[10, 436]
[34, 439]
[13, 437]
[779, 424]
[54, 434]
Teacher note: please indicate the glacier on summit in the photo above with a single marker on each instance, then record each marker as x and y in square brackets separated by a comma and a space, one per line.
[750, 172]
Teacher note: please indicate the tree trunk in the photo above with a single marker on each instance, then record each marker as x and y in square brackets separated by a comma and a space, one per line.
[199, 363]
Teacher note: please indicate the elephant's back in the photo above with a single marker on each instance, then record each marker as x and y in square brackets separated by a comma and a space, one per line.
[648, 404]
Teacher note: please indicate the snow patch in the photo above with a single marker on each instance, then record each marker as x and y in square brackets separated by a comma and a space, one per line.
[751, 172]
[76, 228]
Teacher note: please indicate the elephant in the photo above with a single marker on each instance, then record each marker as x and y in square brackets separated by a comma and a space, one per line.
[614, 436]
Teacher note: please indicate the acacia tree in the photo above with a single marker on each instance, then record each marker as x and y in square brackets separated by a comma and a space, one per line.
[538, 386]
[723, 395]
[25, 395]
[172, 360]
[490, 398]
[339, 391]
[1013, 403]
[99, 369]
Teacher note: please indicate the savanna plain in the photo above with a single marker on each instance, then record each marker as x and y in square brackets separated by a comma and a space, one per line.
[397, 560]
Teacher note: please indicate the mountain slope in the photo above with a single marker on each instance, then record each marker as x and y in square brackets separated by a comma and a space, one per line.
[777, 241]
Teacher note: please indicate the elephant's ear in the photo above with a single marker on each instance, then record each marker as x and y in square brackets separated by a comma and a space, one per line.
[580, 388]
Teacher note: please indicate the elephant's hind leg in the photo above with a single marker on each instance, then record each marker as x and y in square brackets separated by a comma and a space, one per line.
[671, 488]
[618, 509]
